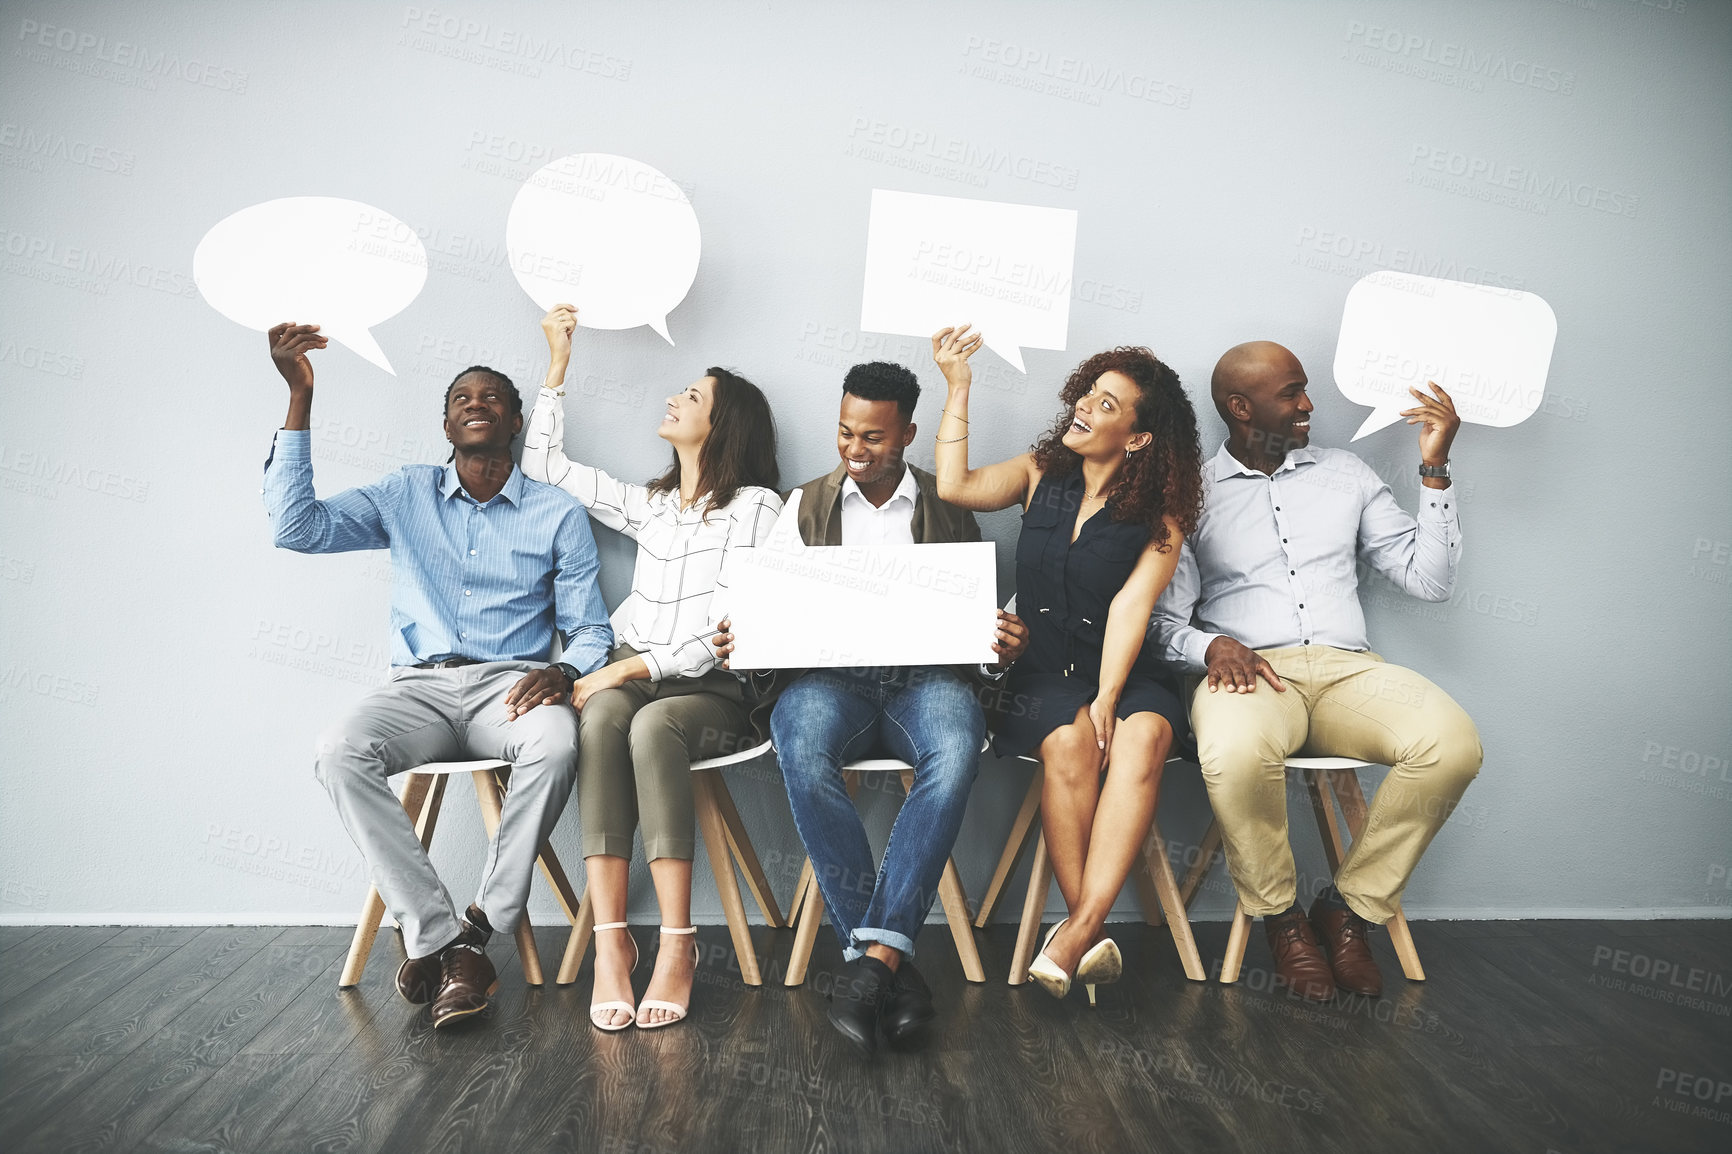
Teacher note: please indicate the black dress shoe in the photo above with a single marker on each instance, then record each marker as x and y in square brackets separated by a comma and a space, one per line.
[857, 997]
[908, 1010]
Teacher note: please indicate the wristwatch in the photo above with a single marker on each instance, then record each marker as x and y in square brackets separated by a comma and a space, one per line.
[570, 671]
[1435, 470]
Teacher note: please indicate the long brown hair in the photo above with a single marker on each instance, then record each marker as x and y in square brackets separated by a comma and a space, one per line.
[741, 447]
[1164, 479]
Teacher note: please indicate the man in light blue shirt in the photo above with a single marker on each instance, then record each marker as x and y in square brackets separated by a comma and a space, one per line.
[1267, 589]
[486, 564]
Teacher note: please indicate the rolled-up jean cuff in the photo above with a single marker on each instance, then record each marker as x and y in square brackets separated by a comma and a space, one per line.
[607, 845]
[899, 942]
[684, 849]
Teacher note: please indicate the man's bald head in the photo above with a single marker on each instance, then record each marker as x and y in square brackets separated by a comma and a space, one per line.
[1251, 367]
[1259, 390]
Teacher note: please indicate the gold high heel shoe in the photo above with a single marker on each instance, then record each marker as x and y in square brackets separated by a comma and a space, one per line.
[1101, 966]
[1046, 972]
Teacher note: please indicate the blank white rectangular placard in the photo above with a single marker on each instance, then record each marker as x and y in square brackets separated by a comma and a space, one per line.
[826, 606]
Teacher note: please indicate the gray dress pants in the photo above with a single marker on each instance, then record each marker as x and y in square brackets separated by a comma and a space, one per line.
[455, 714]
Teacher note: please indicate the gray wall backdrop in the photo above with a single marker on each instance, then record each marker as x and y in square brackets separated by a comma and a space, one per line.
[1237, 166]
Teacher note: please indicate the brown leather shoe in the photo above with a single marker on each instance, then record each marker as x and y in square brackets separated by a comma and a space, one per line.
[1343, 934]
[466, 980]
[1299, 960]
[418, 978]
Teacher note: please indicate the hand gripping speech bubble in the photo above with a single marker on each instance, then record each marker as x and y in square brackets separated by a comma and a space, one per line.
[1489, 348]
[608, 234]
[933, 261]
[341, 264]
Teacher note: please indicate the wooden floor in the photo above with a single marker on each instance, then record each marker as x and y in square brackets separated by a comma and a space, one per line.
[1530, 1036]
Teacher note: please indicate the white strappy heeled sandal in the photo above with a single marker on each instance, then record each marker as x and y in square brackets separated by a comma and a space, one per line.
[597, 1008]
[678, 1011]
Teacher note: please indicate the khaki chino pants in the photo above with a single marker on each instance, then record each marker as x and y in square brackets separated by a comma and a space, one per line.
[1338, 703]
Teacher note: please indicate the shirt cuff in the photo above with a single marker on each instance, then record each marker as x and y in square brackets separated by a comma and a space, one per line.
[1195, 648]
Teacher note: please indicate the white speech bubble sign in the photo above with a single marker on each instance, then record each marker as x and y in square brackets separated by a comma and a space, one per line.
[933, 261]
[341, 264]
[608, 234]
[1489, 348]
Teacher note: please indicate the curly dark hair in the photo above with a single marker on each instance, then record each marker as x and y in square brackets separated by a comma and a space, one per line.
[884, 381]
[1163, 480]
[741, 447]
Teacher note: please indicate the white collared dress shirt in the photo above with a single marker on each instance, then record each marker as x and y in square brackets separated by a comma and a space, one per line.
[1274, 560]
[891, 523]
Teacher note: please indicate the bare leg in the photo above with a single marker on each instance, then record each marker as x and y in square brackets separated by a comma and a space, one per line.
[1121, 824]
[1068, 799]
[675, 968]
[889, 955]
[613, 951]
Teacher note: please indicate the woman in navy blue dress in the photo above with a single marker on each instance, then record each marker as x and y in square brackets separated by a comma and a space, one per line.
[1108, 495]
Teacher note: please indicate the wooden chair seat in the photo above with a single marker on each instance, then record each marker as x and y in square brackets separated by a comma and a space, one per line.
[423, 791]
[1332, 782]
[1157, 892]
[807, 908]
[726, 843]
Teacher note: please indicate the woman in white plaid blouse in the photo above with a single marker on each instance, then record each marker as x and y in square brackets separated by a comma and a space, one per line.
[660, 703]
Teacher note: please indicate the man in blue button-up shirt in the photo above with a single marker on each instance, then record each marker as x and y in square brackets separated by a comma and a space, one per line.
[486, 564]
[1271, 580]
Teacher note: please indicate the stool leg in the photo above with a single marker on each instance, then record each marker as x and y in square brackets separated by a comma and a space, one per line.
[1033, 906]
[1207, 852]
[1346, 785]
[805, 931]
[722, 865]
[420, 798]
[743, 852]
[491, 799]
[1167, 891]
[578, 943]
[1236, 940]
[1013, 846]
[800, 893]
[956, 913]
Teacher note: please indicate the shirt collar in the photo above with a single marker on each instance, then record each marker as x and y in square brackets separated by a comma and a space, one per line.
[450, 485]
[1227, 465]
[906, 489]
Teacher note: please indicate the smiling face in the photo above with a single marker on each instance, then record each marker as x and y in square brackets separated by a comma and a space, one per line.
[478, 415]
[871, 437]
[1274, 405]
[687, 419]
[1104, 420]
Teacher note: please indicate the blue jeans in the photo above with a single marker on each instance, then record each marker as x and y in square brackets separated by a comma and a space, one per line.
[927, 717]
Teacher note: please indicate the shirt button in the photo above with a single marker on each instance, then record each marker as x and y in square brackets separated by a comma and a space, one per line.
[1307, 641]
[1446, 504]
[1301, 605]
[472, 552]
[466, 593]
[1283, 540]
[1292, 572]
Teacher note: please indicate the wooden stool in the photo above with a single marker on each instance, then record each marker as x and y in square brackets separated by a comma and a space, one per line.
[1331, 781]
[725, 842]
[808, 905]
[423, 791]
[1156, 890]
